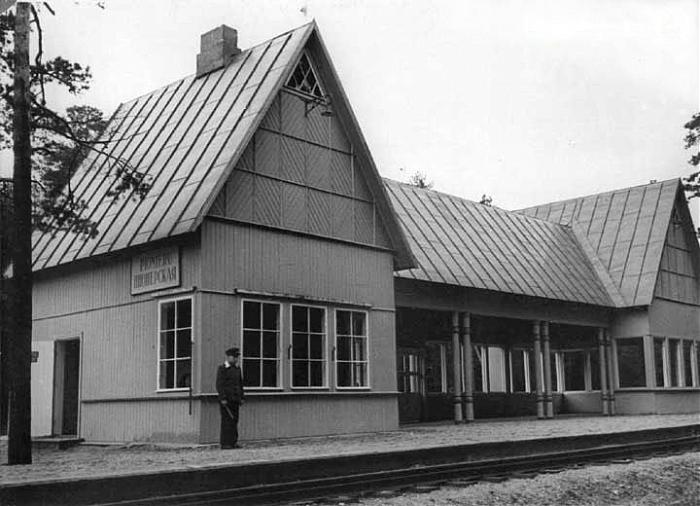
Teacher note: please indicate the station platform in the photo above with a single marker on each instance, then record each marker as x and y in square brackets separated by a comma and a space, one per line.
[97, 460]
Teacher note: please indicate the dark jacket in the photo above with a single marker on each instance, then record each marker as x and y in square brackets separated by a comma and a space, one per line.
[229, 383]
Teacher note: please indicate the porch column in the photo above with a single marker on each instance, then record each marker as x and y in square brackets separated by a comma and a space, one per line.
[538, 368]
[456, 368]
[548, 400]
[468, 368]
[603, 371]
[611, 373]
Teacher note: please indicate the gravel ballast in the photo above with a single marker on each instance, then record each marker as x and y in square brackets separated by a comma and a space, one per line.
[667, 481]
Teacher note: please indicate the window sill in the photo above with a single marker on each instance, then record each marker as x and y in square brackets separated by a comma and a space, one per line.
[171, 390]
[312, 389]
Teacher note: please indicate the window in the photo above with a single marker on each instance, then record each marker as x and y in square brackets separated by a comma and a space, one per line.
[435, 368]
[304, 78]
[308, 347]
[410, 373]
[659, 362]
[688, 363]
[574, 370]
[261, 332]
[630, 362]
[594, 359]
[175, 344]
[351, 344]
[518, 370]
[674, 349]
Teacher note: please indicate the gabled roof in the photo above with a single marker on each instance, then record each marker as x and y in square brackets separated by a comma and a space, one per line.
[459, 242]
[625, 230]
[187, 137]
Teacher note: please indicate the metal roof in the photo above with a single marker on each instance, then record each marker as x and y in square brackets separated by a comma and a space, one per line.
[186, 137]
[625, 230]
[459, 242]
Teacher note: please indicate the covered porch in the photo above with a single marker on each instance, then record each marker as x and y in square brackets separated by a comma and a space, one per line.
[498, 356]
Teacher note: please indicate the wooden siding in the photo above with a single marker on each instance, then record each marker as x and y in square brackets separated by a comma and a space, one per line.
[672, 319]
[308, 415]
[678, 277]
[156, 420]
[236, 256]
[299, 173]
[100, 284]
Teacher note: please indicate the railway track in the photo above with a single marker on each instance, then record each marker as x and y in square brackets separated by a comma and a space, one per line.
[420, 477]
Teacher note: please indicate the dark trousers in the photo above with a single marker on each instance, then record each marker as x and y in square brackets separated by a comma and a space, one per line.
[229, 423]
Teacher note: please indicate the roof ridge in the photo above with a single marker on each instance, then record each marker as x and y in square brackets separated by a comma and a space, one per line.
[243, 51]
[616, 298]
[571, 199]
[474, 202]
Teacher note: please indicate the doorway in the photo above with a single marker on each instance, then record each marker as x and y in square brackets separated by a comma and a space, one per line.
[66, 400]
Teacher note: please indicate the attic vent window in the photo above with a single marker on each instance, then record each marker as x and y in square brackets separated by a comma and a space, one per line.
[304, 79]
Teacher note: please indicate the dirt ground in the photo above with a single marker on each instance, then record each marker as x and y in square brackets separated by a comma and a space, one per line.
[666, 481]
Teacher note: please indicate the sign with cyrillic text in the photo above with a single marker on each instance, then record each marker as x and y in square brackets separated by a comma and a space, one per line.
[155, 270]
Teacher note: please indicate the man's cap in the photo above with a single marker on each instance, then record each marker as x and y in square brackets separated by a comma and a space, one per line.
[233, 352]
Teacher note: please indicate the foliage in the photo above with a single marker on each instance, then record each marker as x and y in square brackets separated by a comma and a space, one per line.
[486, 200]
[60, 140]
[691, 183]
[420, 180]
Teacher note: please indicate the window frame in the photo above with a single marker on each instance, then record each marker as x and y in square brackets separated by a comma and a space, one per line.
[279, 385]
[290, 348]
[335, 349]
[303, 94]
[616, 364]
[174, 299]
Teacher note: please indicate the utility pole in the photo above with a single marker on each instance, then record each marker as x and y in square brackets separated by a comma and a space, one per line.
[19, 449]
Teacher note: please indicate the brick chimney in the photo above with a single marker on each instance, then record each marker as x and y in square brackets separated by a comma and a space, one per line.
[217, 49]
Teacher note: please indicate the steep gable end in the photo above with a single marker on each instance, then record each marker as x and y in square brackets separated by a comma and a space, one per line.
[186, 139]
[298, 173]
[678, 273]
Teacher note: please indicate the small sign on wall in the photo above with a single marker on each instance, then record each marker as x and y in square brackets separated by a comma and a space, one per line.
[155, 270]
[35, 356]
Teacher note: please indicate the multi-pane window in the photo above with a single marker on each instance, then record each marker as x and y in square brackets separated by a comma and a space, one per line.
[308, 346]
[304, 79]
[261, 350]
[351, 349]
[630, 362]
[175, 344]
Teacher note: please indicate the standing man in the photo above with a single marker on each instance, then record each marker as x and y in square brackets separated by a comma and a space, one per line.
[229, 385]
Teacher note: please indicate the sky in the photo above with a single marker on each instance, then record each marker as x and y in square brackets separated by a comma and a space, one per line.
[527, 101]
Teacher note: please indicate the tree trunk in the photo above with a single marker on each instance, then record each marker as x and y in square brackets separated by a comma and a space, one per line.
[19, 449]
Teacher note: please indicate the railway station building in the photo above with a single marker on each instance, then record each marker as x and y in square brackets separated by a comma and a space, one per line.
[358, 303]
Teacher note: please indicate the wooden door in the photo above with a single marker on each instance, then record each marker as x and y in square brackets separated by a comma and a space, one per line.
[411, 384]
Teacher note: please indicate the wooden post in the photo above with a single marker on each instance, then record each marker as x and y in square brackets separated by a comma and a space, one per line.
[603, 371]
[548, 399]
[611, 373]
[468, 368]
[19, 443]
[538, 368]
[456, 368]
